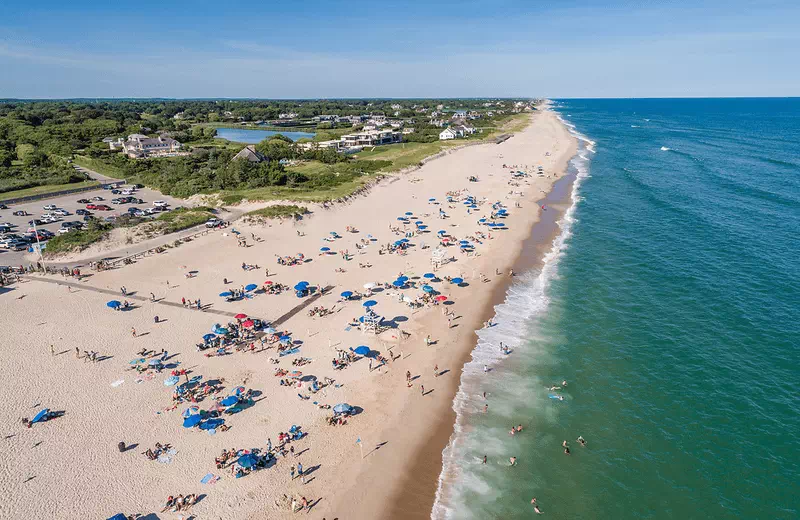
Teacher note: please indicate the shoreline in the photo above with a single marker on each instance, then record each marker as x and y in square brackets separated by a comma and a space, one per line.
[413, 492]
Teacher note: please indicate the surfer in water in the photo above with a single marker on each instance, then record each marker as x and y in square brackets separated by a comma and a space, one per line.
[582, 441]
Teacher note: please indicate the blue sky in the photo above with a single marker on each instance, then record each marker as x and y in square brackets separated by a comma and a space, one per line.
[295, 49]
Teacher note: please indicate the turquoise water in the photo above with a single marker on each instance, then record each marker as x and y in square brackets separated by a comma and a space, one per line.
[671, 305]
[242, 135]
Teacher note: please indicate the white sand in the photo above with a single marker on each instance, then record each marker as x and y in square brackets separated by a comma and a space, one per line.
[71, 468]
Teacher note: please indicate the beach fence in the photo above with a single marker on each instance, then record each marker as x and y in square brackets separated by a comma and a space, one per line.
[123, 260]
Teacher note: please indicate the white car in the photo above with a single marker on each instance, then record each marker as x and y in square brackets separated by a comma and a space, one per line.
[160, 203]
[64, 230]
[61, 212]
[50, 207]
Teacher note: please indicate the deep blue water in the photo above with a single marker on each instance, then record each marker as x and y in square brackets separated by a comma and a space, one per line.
[672, 309]
[243, 135]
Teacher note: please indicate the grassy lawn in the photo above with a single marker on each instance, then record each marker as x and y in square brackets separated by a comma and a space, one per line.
[403, 155]
[41, 190]
[98, 166]
[295, 194]
[278, 211]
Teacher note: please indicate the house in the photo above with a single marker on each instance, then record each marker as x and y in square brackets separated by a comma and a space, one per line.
[371, 138]
[250, 153]
[336, 144]
[287, 115]
[460, 114]
[139, 146]
[447, 134]
[179, 115]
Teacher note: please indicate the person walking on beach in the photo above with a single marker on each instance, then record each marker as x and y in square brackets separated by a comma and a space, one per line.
[300, 473]
[436, 371]
[77, 353]
[52, 350]
[292, 472]
[133, 331]
[422, 387]
[183, 301]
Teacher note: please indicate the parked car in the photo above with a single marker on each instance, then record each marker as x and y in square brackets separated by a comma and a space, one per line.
[19, 245]
[83, 201]
[64, 230]
[102, 207]
[97, 199]
[3, 206]
[82, 212]
[115, 191]
[50, 207]
[87, 218]
[160, 203]
[91, 206]
[117, 201]
[6, 224]
[62, 212]
[20, 213]
[4, 229]
[213, 222]
[138, 186]
[35, 222]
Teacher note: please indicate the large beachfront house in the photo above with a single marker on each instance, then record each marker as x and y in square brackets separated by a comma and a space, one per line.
[371, 138]
[456, 131]
[139, 146]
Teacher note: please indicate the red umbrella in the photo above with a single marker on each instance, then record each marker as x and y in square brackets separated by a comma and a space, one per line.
[247, 324]
[268, 282]
[441, 298]
[240, 316]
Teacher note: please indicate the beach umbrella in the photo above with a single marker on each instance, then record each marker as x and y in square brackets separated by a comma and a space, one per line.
[270, 330]
[334, 233]
[370, 285]
[192, 420]
[482, 220]
[154, 362]
[240, 316]
[239, 390]
[362, 350]
[324, 249]
[300, 287]
[431, 199]
[418, 222]
[464, 242]
[441, 298]
[113, 304]
[221, 331]
[250, 287]
[192, 410]
[342, 408]
[247, 461]
[422, 227]
[295, 374]
[427, 288]
[398, 283]
[208, 337]
[398, 243]
[347, 294]
[403, 278]
[284, 339]
[118, 516]
[457, 281]
[137, 361]
[225, 294]
[268, 282]
[171, 380]
[211, 424]
[248, 324]
[466, 246]
[405, 240]
[303, 283]
[229, 401]
[402, 219]
[40, 415]
[441, 232]
[369, 303]
[429, 276]
[409, 213]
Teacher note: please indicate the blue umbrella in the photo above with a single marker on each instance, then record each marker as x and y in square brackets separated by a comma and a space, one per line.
[427, 288]
[208, 337]
[342, 408]
[398, 283]
[465, 246]
[409, 213]
[211, 424]
[429, 276]
[221, 331]
[324, 249]
[431, 199]
[418, 222]
[154, 362]
[113, 304]
[441, 232]
[225, 294]
[403, 219]
[334, 233]
[250, 287]
[422, 227]
[300, 287]
[41, 415]
[247, 461]
[347, 294]
[398, 242]
[229, 401]
[362, 350]
[171, 380]
[192, 421]
[303, 283]
[403, 278]
[464, 242]
[284, 339]
[192, 410]
[369, 303]
[482, 220]
[457, 281]
[405, 240]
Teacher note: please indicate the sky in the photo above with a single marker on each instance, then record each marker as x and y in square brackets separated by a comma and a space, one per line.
[403, 49]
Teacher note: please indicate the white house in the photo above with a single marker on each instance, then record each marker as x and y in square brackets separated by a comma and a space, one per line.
[446, 134]
[139, 146]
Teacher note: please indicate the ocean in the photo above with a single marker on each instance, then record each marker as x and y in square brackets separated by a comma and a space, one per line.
[670, 304]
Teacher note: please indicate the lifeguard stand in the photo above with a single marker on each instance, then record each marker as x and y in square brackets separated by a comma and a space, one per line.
[371, 322]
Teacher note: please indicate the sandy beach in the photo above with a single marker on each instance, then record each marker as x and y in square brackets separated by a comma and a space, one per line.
[383, 463]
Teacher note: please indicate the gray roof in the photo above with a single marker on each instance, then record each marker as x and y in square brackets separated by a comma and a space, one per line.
[250, 153]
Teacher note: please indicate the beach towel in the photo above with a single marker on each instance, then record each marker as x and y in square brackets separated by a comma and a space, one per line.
[207, 479]
[117, 383]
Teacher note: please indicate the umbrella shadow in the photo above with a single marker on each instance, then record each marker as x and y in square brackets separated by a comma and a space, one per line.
[429, 391]
[103, 358]
[311, 470]
[130, 447]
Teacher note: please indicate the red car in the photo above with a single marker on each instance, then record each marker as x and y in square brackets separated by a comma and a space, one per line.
[91, 206]
[101, 207]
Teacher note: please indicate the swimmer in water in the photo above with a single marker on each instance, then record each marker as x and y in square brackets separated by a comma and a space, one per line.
[512, 461]
[560, 397]
[533, 500]
[564, 383]
[512, 431]
[582, 441]
[555, 388]
[519, 428]
[538, 511]
[564, 444]
[566, 451]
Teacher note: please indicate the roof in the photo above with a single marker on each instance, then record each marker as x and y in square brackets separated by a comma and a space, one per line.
[250, 153]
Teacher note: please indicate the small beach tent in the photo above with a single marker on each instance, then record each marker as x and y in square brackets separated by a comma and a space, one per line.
[40, 416]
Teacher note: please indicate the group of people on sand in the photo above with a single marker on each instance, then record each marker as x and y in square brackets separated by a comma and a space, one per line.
[179, 503]
[153, 454]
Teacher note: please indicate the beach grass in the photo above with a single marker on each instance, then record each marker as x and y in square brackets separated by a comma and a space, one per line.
[100, 167]
[43, 190]
[76, 240]
[278, 211]
[180, 219]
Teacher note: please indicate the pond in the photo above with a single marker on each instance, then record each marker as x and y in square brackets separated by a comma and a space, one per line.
[244, 135]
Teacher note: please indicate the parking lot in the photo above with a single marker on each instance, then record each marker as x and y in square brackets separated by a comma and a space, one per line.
[35, 210]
